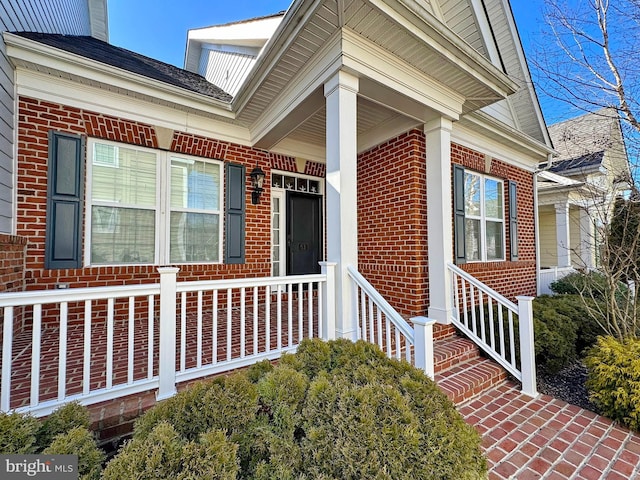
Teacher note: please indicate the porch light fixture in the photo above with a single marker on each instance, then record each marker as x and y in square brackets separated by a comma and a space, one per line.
[257, 180]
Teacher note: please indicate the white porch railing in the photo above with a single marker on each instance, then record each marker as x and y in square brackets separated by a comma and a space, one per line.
[98, 344]
[379, 323]
[498, 326]
[546, 276]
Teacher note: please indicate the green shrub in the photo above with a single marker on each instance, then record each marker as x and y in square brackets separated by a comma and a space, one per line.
[555, 335]
[590, 285]
[18, 433]
[64, 432]
[614, 379]
[163, 454]
[79, 441]
[62, 420]
[337, 410]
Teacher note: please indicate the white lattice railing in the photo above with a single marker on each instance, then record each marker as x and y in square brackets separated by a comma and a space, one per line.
[98, 344]
[498, 326]
[378, 322]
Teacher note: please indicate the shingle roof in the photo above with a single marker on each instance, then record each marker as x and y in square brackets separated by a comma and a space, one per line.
[582, 141]
[583, 162]
[103, 52]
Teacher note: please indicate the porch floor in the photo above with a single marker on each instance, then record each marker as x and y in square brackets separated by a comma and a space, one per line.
[546, 438]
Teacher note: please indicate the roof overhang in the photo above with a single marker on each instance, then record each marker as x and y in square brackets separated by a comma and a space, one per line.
[32, 55]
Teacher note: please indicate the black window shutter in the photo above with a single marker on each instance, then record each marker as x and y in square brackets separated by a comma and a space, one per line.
[65, 201]
[458, 212]
[235, 214]
[513, 220]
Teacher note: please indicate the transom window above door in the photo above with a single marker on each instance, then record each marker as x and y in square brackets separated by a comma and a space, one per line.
[299, 184]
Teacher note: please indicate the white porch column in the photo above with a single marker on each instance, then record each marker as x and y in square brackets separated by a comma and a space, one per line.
[439, 217]
[587, 239]
[342, 192]
[562, 234]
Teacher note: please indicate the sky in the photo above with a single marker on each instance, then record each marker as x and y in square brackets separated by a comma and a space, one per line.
[158, 28]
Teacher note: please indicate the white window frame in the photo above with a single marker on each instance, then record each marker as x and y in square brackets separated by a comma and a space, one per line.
[483, 218]
[162, 207]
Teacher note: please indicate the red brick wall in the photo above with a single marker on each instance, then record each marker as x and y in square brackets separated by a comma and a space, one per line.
[12, 261]
[508, 278]
[36, 118]
[392, 221]
[392, 224]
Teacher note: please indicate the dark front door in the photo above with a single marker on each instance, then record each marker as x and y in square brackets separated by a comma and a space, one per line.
[304, 245]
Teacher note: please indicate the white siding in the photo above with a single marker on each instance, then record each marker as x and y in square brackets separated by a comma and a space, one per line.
[548, 242]
[50, 16]
[226, 70]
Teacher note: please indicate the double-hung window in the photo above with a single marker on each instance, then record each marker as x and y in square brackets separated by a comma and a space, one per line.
[484, 219]
[151, 207]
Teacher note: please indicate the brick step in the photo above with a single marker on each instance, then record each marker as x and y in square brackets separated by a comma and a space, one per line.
[470, 378]
[451, 351]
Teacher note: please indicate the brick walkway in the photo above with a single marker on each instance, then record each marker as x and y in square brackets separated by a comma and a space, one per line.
[546, 438]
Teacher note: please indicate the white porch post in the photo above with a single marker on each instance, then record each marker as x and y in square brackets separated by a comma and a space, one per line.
[341, 93]
[439, 217]
[587, 232]
[562, 234]
[167, 342]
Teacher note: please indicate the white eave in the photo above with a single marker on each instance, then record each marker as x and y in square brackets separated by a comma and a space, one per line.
[29, 53]
[252, 33]
[558, 179]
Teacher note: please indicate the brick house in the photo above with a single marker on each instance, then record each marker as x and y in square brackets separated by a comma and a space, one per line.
[395, 138]
[577, 192]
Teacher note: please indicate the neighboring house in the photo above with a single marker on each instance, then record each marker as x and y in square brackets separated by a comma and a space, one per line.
[576, 193]
[395, 137]
[75, 17]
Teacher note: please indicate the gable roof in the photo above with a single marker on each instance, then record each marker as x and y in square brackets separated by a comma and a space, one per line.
[121, 58]
[582, 142]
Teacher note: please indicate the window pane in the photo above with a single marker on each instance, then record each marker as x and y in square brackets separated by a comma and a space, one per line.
[122, 235]
[472, 241]
[493, 198]
[131, 180]
[194, 237]
[495, 234]
[194, 184]
[471, 194]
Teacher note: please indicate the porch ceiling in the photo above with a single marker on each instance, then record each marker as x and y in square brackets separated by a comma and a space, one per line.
[283, 102]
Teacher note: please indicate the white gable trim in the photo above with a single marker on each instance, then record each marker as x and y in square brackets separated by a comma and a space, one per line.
[54, 89]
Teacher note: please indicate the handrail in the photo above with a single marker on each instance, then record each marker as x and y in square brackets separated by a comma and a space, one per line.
[485, 288]
[382, 304]
[481, 330]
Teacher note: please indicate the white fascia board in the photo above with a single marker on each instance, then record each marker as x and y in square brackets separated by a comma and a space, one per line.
[36, 53]
[558, 179]
[369, 60]
[316, 71]
[412, 16]
[501, 150]
[249, 34]
[530, 151]
[42, 86]
[524, 67]
[290, 26]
